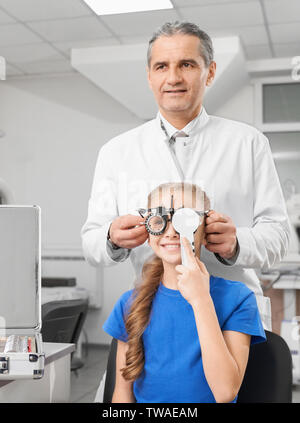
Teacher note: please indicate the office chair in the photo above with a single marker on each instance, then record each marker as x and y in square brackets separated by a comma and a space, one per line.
[269, 373]
[62, 321]
[110, 379]
[268, 376]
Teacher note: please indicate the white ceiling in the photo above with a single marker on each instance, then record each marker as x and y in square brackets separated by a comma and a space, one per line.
[36, 35]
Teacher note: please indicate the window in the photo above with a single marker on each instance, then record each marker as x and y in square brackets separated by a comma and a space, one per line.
[277, 104]
[277, 115]
[281, 103]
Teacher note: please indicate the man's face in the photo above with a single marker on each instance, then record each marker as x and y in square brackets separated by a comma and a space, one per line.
[177, 74]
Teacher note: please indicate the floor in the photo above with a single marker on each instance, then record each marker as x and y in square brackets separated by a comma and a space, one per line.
[85, 382]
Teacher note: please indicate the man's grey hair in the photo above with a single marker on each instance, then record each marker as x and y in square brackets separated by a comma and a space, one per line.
[187, 28]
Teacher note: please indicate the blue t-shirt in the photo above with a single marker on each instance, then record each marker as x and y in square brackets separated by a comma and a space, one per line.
[173, 370]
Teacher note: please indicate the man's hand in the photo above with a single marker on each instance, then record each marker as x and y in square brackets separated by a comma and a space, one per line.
[220, 235]
[193, 279]
[126, 231]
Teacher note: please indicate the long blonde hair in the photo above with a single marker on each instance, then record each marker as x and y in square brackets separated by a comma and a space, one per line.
[138, 316]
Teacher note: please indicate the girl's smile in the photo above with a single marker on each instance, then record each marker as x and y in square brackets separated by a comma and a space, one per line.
[171, 247]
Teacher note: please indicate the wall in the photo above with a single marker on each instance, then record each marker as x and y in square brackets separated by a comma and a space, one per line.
[240, 106]
[54, 128]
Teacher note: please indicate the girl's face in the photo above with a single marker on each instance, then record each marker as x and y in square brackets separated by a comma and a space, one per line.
[167, 245]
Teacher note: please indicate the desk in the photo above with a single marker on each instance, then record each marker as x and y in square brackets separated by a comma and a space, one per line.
[54, 386]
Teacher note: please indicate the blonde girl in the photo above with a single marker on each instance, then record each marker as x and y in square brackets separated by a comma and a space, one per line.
[183, 335]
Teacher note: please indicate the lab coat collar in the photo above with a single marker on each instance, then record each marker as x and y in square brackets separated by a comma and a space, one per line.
[163, 145]
[191, 128]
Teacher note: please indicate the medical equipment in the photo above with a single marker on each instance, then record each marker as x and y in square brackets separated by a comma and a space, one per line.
[293, 208]
[290, 330]
[185, 222]
[16, 343]
[21, 346]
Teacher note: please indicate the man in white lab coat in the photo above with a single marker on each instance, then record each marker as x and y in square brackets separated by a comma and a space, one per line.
[248, 227]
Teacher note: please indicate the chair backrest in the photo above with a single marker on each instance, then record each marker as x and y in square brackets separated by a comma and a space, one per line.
[62, 321]
[269, 374]
[268, 377]
[110, 379]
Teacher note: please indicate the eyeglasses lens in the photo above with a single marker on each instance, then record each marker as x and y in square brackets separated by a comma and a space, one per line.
[156, 223]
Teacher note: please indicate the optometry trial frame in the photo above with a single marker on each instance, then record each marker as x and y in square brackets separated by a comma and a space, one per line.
[185, 222]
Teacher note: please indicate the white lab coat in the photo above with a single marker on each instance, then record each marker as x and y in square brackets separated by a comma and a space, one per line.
[231, 160]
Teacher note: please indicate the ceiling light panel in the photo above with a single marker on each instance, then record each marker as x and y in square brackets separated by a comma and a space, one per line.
[112, 7]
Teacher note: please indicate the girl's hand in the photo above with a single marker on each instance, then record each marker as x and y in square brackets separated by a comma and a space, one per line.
[193, 279]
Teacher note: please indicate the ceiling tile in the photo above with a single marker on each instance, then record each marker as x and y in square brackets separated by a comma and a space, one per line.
[250, 35]
[12, 70]
[42, 67]
[4, 18]
[258, 52]
[224, 15]
[140, 22]
[285, 33]
[280, 11]
[70, 29]
[28, 53]
[65, 47]
[286, 50]
[45, 9]
[253, 35]
[135, 39]
[184, 3]
[14, 34]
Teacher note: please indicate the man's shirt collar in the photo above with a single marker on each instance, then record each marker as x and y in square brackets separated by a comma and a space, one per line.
[191, 128]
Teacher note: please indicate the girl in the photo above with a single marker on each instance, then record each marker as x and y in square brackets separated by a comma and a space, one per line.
[183, 336]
